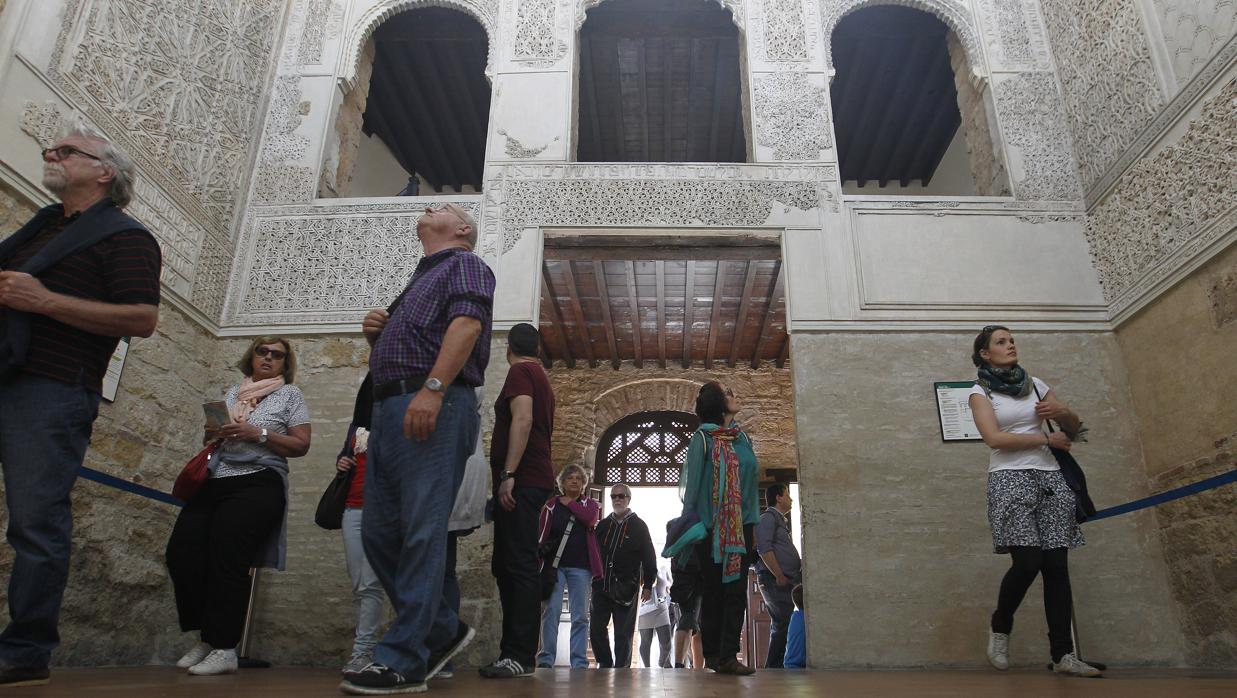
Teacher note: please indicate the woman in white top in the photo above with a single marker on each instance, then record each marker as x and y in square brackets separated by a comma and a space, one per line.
[1030, 507]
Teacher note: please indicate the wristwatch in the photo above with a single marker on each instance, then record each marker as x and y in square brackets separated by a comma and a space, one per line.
[505, 475]
[262, 437]
[433, 384]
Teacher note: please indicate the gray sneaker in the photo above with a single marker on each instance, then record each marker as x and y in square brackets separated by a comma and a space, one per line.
[357, 663]
[1071, 665]
[998, 650]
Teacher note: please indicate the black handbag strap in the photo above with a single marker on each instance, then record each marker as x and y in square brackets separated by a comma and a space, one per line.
[562, 543]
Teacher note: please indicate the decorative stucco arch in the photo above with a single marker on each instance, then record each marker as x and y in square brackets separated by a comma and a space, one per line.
[484, 11]
[735, 7]
[615, 402]
[953, 13]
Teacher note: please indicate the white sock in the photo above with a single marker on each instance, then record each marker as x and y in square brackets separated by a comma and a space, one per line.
[229, 653]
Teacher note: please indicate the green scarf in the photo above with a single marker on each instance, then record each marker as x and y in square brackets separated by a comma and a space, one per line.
[1013, 381]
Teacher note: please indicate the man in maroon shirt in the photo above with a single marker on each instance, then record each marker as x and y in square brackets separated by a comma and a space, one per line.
[523, 480]
[76, 278]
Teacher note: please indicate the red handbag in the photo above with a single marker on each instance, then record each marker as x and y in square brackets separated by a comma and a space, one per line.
[194, 474]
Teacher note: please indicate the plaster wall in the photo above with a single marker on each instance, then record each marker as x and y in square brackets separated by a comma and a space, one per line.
[899, 569]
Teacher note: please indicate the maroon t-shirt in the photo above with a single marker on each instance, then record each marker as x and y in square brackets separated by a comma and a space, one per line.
[536, 469]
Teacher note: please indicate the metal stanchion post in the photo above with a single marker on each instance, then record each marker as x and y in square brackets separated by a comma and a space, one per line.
[243, 659]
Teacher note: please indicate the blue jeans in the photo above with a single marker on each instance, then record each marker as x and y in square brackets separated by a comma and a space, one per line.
[367, 595]
[578, 583]
[45, 427]
[410, 488]
[780, 606]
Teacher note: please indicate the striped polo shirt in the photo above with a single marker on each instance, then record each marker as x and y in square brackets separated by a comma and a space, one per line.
[123, 269]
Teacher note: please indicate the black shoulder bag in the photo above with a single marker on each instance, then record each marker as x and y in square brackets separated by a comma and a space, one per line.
[1084, 508]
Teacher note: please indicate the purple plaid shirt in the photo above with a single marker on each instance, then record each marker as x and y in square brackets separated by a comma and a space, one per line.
[445, 286]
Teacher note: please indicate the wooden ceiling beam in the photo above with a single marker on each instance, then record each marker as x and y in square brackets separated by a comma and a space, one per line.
[378, 125]
[573, 297]
[445, 108]
[633, 303]
[417, 114]
[667, 138]
[864, 138]
[660, 267]
[588, 78]
[715, 116]
[475, 119]
[388, 102]
[557, 318]
[908, 75]
[767, 321]
[621, 142]
[642, 70]
[689, 314]
[667, 253]
[745, 305]
[785, 353]
[599, 273]
[715, 319]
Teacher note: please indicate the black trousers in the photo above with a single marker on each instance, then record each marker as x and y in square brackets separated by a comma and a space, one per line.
[1053, 564]
[517, 571]
[212, 547]
[624, 630]
[722, 606]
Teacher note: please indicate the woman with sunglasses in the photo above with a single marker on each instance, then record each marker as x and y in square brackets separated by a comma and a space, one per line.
[238, 519]
[719, 485]
[1030, 507]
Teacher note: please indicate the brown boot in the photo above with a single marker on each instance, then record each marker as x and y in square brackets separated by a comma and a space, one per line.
[735, 667]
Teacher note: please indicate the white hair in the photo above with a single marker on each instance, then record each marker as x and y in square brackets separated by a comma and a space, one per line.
[111, 155]
[468, 220]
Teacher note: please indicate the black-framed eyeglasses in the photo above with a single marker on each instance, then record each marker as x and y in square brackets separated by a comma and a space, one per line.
[619, 495]
[66, 151]
[275, 354]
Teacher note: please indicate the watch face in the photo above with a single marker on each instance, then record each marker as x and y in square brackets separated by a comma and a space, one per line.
[434, 384]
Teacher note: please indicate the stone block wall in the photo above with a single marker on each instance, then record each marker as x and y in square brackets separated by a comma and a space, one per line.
[898, 555]
[589, 400]
[987, 166]
[1179, 354]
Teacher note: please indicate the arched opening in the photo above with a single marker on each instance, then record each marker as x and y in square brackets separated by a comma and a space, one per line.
[646, 448]
[660, 81]
[908, 117]
[416, 120]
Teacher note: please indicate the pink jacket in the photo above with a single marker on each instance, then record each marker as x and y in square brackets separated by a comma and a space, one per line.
[587, 512]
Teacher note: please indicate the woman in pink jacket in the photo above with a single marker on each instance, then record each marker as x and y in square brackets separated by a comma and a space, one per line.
[570, 559]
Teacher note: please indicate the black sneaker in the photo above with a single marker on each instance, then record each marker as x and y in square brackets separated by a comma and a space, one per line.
[505, 669]
[379, 680]
[24, 676]
[438, 659]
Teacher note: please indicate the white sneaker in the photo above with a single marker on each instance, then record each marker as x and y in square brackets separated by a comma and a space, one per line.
[998, 650]
[196, 654]
[217, 662]
[1071, 665]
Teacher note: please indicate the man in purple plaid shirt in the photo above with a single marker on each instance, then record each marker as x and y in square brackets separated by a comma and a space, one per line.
[430, 350]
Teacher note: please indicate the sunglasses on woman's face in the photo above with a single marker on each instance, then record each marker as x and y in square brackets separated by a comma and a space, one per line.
[275, 354]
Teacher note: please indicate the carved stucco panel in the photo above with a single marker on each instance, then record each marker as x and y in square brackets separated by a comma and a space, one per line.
[306, 264]
[522, 197]
[1168, 206]
[279, 178]
[1038, 142]
[791, 116]
[178, 84]
[783, 32]
[1194, 31]
[41, 122]
[314, 31]
[956, 14]
[540, 26]
[1015, 35]
[1105, 67]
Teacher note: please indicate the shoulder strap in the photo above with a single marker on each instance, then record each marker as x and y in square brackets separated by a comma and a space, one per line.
[96, 224]
[562, 543]
[1041, 398]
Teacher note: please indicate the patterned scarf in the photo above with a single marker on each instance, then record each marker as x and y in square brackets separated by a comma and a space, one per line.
[728, 496]
[1013, 381]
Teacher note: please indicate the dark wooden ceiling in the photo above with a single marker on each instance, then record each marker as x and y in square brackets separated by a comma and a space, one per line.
[429, 100]
[895, 106]
[664, 304]
[660, 82]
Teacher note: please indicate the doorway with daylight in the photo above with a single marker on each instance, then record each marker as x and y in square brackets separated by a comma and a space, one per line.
[634, 322]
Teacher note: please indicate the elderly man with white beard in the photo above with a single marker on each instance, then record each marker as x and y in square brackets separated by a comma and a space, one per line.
[74, 279]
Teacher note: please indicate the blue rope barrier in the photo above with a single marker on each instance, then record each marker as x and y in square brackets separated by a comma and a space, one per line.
[1157, 499]
[113, 481]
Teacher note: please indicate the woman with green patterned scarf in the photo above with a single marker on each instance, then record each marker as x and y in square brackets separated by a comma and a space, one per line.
[719, 483]
[1030, 506]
